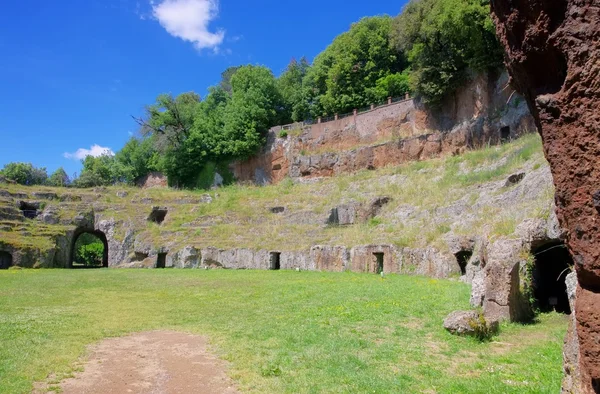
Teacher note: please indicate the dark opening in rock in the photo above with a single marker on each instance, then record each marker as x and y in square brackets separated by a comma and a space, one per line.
[379, 262]
[277, 167]
[463, 258]
[29, 209]
[275, 263]
[158, 215]
[514, 179]
[552, 264]
[139, 256]
[5, 260]
[277, 209]
[161, 260]
[596, 385]
[89, 249]
[505, 133]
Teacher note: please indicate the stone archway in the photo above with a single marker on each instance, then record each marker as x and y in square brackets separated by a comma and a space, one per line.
[96, 233]
[552, 264]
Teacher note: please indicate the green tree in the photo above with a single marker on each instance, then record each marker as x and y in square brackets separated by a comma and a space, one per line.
[89, 250]
[25, 173]
[170, 119]
[292, 90]
[59, 178]
[170, 125]
[345, 75]
[445, 40]
[255, 105]
[97, 171]
[226, 75]
[136, 159]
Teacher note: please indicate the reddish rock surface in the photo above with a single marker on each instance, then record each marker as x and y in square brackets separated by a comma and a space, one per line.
[553, 56]
[153, 179]
[392, 134]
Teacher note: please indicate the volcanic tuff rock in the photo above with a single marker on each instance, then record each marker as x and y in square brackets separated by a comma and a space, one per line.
[553, 56]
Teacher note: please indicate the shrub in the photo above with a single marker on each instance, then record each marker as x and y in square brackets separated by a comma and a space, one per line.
[283, 134]
[483, 330]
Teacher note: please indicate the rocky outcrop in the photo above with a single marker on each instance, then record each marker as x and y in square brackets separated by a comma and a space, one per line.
[553, 56]
[503, 299]
[479, 113]
[153, 179]
[572, 379]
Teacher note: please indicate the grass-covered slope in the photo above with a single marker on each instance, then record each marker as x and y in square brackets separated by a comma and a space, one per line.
[463, 195]
[283, 332]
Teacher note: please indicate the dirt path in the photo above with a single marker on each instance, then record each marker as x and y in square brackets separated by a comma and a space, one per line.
[157, 362]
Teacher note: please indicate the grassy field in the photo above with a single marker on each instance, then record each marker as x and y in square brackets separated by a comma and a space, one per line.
[282, 332]
[240, 217]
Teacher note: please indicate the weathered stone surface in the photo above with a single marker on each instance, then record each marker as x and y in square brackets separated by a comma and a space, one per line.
[364, 259]
[572, 378]
[428, 262]
[502, 281]
[468, 323]
[460, 322]
[44, 195]
[373, 208]
[29, 257]
[297, 260]
[68, 197]
[49, 216]
[154, 179]
[122, 194]
[514, 179]
[188, 257]
[235, 258]
[478, 289]
[392, 134]
[553, 55]
[330, 258]
[343, 215]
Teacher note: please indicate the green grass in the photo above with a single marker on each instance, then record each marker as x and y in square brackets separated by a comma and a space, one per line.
[283, 332]
[239, 215]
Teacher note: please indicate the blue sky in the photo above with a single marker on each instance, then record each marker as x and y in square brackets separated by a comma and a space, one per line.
[73, 72]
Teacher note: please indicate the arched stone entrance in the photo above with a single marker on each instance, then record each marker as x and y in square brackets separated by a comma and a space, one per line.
[100, 236]
[552, 264]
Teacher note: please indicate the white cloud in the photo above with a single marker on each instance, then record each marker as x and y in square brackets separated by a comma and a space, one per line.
[95, 150]
[189, 20]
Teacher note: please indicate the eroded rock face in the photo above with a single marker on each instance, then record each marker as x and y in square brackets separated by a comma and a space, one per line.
[553, 56]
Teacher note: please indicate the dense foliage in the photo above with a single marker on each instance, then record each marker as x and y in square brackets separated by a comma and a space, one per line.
[431, 48]
[25, 174]
[347, 74]
[446, 40]
[89, 250]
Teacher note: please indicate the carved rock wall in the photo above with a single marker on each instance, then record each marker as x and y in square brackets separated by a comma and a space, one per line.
[473, 116]
[553, 56]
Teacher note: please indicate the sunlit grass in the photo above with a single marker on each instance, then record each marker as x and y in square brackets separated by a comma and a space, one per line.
[282, 332]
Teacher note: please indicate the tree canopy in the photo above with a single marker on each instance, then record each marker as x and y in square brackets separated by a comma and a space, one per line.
[444, 41]
[431, 48]
[346, 74]
[25, 173]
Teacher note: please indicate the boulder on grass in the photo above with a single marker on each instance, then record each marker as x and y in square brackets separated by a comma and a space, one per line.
[470, 323]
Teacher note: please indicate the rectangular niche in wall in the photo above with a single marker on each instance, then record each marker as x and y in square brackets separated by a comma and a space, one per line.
[161, 260]
[5, 260]
[505, 134]
[379, 262]
[275, 263]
